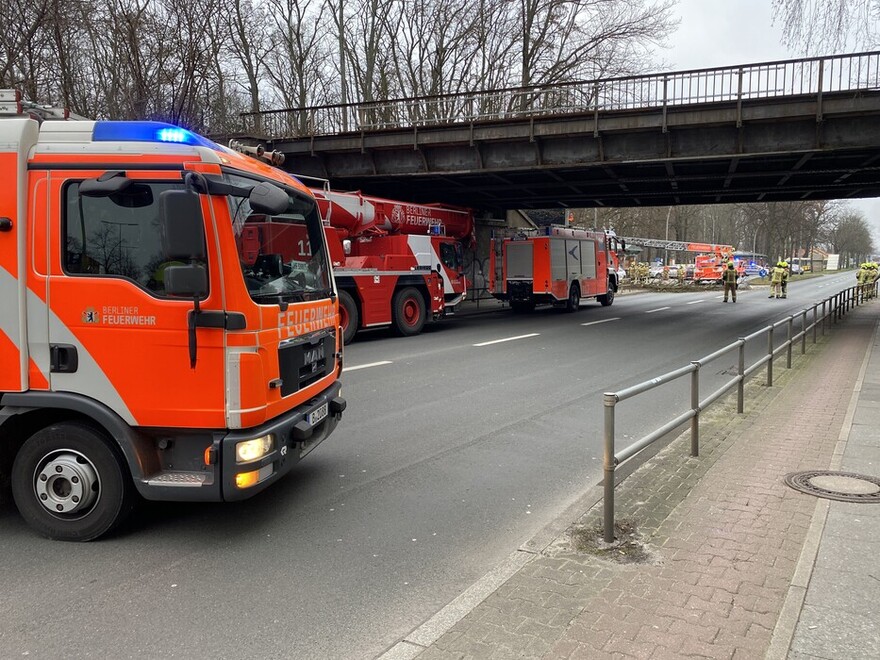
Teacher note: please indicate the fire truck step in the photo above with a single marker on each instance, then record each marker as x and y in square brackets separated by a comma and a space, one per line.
[182, 479]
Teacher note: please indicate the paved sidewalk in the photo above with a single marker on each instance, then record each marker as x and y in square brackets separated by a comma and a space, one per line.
[738, 564]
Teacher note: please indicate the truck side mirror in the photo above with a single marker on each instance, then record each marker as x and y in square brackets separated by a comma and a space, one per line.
[180, 217]
[187, 281]
[109, 183]
[269, 199]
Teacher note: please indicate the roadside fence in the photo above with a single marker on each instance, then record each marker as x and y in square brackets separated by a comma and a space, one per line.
[833, 309]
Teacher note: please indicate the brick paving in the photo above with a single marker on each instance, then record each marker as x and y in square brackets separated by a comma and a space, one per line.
[723, 532]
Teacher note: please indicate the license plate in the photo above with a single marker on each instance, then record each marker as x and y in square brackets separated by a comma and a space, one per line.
[317, 414]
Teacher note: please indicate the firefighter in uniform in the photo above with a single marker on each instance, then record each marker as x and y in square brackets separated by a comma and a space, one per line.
[776, 281]
[729, 280]
[785, 279]
[862, 277]
[871, 278]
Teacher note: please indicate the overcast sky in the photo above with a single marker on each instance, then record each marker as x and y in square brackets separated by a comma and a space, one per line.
[728, 32]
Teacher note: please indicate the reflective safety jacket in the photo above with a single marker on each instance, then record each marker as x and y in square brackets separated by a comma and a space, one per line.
[778, 275]
[729, 275]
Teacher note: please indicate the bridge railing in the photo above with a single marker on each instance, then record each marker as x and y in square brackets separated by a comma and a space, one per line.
[808, 76]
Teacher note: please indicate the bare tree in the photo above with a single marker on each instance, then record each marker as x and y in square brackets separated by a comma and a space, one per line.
[821, 25]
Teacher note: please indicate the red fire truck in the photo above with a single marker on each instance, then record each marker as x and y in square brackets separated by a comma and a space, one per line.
[148, 345]
[559, 266]
[395, 263]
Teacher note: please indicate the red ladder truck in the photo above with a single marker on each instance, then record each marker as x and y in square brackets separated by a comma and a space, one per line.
[556, 265]
[395, 263]
[708, 266]
[142, 351]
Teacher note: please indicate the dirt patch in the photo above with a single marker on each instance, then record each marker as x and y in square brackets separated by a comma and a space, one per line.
[627, 547]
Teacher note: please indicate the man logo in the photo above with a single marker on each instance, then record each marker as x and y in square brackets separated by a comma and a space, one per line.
[313, 356]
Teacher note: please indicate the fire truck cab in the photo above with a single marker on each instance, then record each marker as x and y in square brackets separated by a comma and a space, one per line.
[144, 350]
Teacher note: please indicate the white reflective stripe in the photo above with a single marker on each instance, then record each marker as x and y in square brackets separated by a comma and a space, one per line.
[10, 324]
[89, 379]
[233, 385]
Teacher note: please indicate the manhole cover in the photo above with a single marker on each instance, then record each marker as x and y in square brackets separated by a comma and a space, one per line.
[841, 486]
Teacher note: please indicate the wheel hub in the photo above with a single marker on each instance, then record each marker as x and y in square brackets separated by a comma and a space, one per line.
[66, 482]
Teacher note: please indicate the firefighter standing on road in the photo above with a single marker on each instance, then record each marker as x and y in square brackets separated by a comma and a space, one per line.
[776, 281]
[729, 279]
[785, 279]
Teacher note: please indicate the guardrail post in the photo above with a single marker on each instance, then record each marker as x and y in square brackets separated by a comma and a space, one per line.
[788, 343]
[695, 406]
[824, 316]
[815, 313]
[609, 465]
[741, 370]
[803, 332]
[770, 355]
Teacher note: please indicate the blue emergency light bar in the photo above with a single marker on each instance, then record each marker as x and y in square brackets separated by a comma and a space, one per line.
[147, 131]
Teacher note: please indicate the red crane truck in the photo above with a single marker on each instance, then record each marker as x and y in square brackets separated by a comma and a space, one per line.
[395, 263]
[142, 352]
[560, 266]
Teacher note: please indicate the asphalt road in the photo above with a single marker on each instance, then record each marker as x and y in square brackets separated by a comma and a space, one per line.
[457, 446]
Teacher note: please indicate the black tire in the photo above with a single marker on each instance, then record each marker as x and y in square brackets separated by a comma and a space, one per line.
[73, 468]
[574, 298]
[408, 313]
[349, 317]
[608, 298]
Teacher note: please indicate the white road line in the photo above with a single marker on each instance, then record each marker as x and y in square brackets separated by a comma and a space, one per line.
[498, 341]
[694, 302]
[616, 318]
[659, 309]
[365, 366]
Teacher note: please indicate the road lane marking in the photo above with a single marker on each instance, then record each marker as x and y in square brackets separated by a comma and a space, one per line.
[616, 318]
[498, 341]
[659, 309]
[694, 302]
[366, 366]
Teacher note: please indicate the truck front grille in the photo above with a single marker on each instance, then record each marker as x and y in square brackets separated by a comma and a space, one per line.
[304, 361]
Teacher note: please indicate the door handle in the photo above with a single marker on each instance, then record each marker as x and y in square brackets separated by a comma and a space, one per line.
[63, 358]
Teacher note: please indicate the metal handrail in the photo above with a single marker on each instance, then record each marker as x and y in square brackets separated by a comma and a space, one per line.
[813, 76]
[833, 308]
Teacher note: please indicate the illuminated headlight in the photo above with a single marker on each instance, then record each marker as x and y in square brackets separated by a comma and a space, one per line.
[253, 450]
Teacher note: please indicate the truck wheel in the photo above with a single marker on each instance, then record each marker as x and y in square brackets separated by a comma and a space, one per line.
[349, 318]
[409, 312]
[574, 299]
[608, 298]
[69, 484]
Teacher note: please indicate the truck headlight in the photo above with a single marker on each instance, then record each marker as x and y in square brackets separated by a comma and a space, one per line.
[253, 450]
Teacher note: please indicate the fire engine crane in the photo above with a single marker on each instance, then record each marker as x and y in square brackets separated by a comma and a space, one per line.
[395, 264]
[708, 266]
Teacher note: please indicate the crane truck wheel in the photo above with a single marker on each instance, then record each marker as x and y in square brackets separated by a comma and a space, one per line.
[70, 484]
[608, 298]
[409, 312]
[574, 299]
[349, 318]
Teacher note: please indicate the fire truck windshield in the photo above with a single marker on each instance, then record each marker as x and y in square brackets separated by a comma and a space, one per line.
[283, 258]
